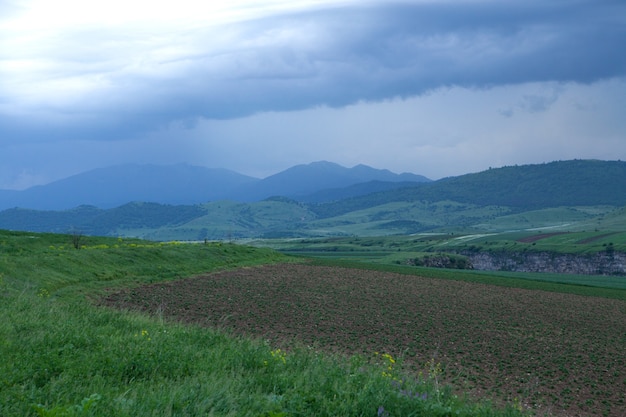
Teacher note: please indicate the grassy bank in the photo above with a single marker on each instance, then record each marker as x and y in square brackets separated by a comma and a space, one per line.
[65, 356]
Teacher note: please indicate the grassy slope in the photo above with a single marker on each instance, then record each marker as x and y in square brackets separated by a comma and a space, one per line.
[404, 218]
[563, 183]
[568, 195]
[576, 242]
[560, 218]
[62, 356]
[228, 220]
[225, 220]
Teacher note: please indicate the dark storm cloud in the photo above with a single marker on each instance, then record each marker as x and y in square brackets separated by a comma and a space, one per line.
[379, 52]
[325, 57]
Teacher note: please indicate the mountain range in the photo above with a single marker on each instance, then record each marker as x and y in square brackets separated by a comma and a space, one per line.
[185, 184]
[325, 199]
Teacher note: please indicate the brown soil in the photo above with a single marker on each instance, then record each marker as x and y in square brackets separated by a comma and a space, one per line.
[594, 238]
[557, 353]
[531, 239]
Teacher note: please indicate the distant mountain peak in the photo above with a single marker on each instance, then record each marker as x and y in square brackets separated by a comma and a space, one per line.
[183, 183]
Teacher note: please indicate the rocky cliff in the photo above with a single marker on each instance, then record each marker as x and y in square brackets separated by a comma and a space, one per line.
[602, 263]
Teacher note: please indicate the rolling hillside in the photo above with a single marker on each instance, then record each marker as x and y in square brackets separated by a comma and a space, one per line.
[575, 195]
[526, 187]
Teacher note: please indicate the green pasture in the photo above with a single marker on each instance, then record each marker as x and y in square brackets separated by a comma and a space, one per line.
[397, 251]
[577, 242]
[557, 218]
[573, 242]
[227, 220]
[63, 355]
[404, 218]
[279, 217]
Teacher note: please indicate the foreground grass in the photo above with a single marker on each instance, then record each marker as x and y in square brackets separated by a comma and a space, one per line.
[63, 356]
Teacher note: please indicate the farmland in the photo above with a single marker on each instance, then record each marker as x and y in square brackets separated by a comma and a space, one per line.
[597, 252]
[558, 353]
[140, 328]
[63, 355]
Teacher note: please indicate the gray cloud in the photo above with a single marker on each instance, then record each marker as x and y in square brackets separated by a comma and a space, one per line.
[535, 102]
[122, 84]
[413, 86]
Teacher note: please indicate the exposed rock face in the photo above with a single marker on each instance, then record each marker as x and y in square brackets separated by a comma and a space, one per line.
[602, 263]
[442, 260]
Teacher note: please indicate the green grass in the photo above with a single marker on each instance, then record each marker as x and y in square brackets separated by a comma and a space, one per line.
[64, 356]
[556, 241]
[51, 262]
[404, 218]
[229, 220]
[602, 281]
[582, 242]
[558, 218]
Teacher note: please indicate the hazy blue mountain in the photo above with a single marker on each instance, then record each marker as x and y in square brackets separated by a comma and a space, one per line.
[301, 181]
[360, 189]
[7, 197]
[185, 184]
[118, 185]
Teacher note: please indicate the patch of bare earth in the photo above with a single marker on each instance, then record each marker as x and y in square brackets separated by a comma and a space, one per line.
[535, 238]
[595, 238]
[558, 353]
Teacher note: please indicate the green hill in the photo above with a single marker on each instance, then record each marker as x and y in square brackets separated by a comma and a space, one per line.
[94, 221]
[526, 187]
[575, 195]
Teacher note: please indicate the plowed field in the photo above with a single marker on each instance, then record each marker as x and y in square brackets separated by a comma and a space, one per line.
[557, 353]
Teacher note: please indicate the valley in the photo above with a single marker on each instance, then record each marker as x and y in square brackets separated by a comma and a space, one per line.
[510, 218]
[507, 285]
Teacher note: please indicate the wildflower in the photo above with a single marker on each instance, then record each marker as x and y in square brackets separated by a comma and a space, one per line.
[382, 412]
[390, 361]
[279, 355]
[389, 358]
[144, 333]
[517, 404]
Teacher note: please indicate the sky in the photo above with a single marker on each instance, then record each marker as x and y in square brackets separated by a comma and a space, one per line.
[433, 87]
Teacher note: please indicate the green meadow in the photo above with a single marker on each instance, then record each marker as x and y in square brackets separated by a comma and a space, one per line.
[64, 354]
[391, 248]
